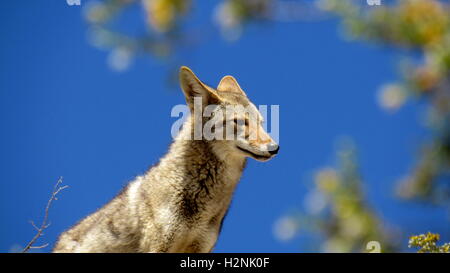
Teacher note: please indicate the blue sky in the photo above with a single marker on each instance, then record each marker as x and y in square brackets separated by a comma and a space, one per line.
[64, 112]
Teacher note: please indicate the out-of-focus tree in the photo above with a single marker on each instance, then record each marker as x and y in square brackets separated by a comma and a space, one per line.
[158, 37]
[421, 27]
[339, 213]
[165, 23]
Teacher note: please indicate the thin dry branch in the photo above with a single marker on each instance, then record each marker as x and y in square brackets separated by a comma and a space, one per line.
[44, 224]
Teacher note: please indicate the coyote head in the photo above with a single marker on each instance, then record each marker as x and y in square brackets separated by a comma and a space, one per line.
[226, 118]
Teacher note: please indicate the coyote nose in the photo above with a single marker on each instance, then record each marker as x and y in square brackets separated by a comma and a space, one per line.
[273, 148]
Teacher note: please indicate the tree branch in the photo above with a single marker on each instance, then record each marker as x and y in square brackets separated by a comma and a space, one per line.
[57, 188]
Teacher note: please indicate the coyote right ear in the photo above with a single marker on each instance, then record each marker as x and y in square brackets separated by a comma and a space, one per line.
[229, 84]
[192, 87]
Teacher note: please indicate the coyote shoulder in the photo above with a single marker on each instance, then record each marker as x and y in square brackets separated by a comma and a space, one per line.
[179, 204]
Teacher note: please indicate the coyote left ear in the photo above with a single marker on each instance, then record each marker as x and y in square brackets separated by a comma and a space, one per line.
[192, 87]
[229, 84]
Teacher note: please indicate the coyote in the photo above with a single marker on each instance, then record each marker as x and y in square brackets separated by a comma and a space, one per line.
[179, 204]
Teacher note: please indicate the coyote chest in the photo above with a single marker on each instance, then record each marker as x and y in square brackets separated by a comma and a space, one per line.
[198, 210]
[193, 198]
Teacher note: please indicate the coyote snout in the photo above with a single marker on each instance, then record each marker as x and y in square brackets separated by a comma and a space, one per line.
[179, 204]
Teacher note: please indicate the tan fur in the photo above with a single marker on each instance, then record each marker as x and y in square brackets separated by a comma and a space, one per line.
[178, 205]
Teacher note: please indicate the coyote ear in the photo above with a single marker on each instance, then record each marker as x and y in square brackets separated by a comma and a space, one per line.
[229, 84]
[192, 87]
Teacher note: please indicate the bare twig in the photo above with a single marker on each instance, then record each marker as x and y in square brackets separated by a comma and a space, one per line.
[44, 224]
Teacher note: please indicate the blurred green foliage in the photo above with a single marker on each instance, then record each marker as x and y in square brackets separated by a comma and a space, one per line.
[338, 211]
